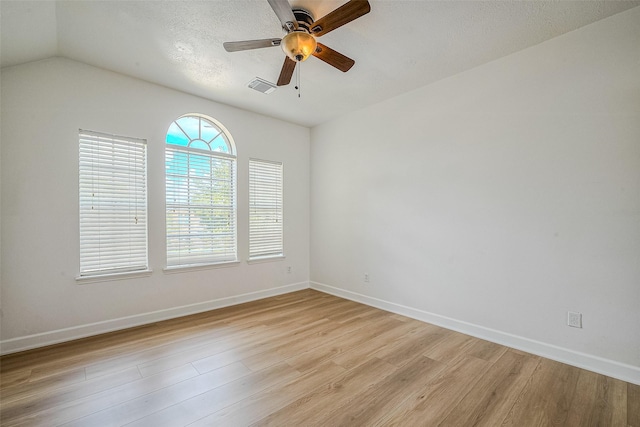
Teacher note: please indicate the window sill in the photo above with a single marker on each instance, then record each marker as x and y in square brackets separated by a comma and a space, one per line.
[81, 280]
[196, 267]
[265, 259]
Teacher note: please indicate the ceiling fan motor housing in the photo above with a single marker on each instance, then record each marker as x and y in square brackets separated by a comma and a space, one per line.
[304, 18]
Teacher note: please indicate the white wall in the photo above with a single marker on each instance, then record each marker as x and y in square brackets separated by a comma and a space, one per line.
[498, 199]
[43, 106]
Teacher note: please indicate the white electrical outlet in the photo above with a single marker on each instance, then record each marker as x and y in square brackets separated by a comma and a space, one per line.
[289, 270]
[366, 277]
[574, 319]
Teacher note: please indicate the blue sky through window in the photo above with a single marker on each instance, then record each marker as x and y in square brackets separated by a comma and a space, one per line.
[197, 132]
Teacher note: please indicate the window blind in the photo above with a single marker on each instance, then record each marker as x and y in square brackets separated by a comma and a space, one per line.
[265, 209]
[113, 203]
[201, 206]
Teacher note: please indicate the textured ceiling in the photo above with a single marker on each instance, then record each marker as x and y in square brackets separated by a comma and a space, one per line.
[399, 46]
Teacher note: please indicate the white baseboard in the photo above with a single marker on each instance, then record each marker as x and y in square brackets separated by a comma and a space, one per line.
[592, 363]
[67, 334]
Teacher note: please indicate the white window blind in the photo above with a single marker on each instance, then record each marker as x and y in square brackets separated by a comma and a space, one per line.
[265, 209]
[113, 204]
[201, 209]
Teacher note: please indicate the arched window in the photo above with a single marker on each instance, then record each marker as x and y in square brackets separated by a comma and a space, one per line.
[200, 173]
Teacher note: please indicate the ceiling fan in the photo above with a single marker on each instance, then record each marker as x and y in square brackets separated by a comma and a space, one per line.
[300, 41]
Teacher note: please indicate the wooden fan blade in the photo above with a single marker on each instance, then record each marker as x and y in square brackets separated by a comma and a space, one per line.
[250, 44]
[283, 11]
[333, 58]
[287, 71]
[342, 15]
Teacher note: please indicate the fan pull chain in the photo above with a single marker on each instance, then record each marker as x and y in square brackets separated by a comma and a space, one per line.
[298, 78]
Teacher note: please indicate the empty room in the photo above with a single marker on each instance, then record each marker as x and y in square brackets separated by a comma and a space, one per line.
[320, 213]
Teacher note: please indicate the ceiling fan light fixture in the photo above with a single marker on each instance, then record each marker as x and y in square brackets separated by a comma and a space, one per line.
[298, 45]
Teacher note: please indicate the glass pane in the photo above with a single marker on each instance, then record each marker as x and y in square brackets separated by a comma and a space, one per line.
[176, 163]
[198, 143]
[208, 130]
[220, 145]
[176, 136]
[190, 125]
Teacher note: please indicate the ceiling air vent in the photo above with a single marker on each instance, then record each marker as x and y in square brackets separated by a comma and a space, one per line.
[262, 85]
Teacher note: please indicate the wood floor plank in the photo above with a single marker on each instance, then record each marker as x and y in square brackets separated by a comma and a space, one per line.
[388, 340]
[330, 332]
[37, 399]
[100, 394]
[438, 397]
[450, 348]
[547, 397]
[191, 355]
[265, 344]
[375, 402]
[302, 358]
[157, 400]
[44, 384]
[598, 401]
[260, 405]
[332, 308]
[313, 357]
[13, 378]
[204, 404]
[633, 405]
[407, 350]
[311, 408]
[484, 350]
[493, 396]
[170, 351]
[357, 311]
[275, 353]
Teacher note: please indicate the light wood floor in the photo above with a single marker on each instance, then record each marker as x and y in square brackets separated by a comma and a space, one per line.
[302, 359]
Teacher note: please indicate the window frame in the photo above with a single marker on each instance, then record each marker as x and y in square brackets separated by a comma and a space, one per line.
[177, 257]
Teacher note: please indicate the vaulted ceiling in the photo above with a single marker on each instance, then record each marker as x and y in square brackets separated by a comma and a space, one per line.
[399, 46]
